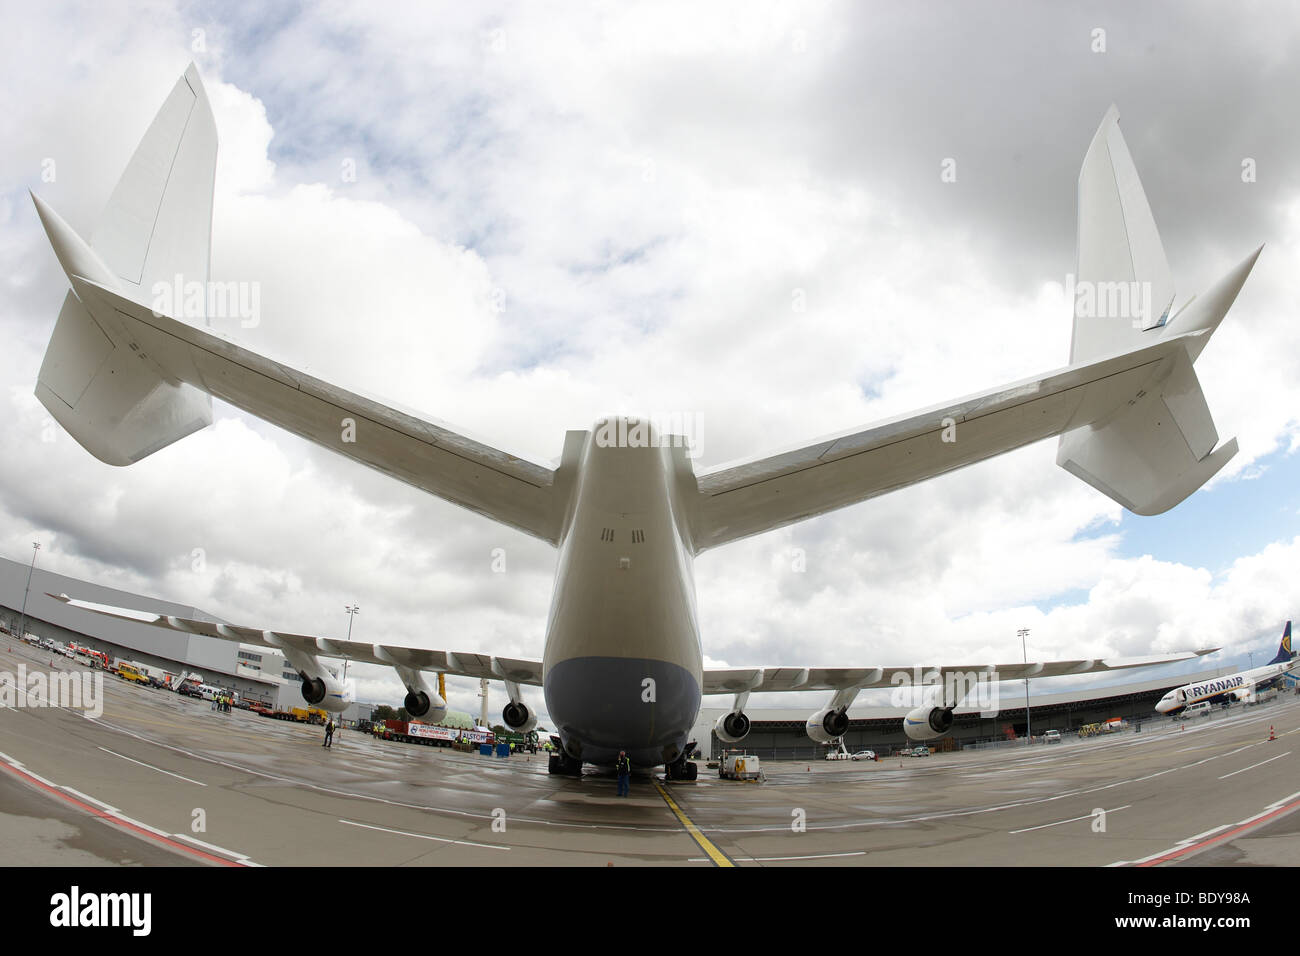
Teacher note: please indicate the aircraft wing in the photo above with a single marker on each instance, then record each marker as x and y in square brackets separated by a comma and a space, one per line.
[429, 456]
[735, 680]
[749, 498]
[456, 663]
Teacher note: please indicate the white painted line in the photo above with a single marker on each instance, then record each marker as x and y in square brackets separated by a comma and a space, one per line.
[1254, 765]
[425, 836]
[233, 854]
[89, 799]
[143, 826]
[814, 856]
[152, 767]
[1086, 816]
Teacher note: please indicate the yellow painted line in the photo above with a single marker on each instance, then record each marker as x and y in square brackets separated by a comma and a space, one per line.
[717, 856]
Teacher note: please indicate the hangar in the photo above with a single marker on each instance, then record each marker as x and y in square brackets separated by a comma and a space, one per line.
[256, 673]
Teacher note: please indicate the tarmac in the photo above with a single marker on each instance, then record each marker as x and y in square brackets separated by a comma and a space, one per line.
[163, 779]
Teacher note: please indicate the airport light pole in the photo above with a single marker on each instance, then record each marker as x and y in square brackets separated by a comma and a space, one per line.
[352, 610]
[1029, 730]
[22, 626]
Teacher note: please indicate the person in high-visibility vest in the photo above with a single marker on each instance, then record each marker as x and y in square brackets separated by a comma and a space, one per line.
[623, 766]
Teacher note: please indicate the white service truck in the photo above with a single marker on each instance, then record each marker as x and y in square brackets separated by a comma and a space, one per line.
[738, 766]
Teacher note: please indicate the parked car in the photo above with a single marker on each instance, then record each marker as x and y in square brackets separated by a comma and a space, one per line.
[1052, 737]
[921, 751]
[865, 755]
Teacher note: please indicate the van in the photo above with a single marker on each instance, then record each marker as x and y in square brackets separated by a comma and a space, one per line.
[1195, 710]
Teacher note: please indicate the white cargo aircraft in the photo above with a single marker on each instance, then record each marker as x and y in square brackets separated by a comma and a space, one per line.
[1241, 686]
[622, 666]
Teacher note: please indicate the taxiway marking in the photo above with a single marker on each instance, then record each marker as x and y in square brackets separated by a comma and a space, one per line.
[717, 856]
[152, 767]
[424, 836]
[1254, 765]
[108, 814]
[1086, 816]
[1202, 840]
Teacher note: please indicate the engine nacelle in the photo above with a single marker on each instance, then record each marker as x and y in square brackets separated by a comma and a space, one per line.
[926, 723]
[827, 725]
[518, 717]
[421, 701]
[326, 691]
[732, 728]
[423, 706]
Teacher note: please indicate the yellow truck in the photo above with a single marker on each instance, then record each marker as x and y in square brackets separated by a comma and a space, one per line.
[308, 715]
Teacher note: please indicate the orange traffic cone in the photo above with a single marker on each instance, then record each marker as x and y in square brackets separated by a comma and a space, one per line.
[1271, 735]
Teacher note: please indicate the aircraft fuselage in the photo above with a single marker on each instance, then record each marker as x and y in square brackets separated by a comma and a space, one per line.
[623, 664]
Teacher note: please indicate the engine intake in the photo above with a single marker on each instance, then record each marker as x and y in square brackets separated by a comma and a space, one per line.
[313, 690]
[827, 725]
[732, 728]
[518, 717]
[926, 723]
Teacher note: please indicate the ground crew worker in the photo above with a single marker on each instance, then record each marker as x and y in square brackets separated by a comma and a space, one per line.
[623, 766]
[329, 733]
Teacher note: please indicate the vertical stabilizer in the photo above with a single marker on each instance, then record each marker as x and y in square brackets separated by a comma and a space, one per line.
[158, 222]
[1123, 286]
[1284, 649]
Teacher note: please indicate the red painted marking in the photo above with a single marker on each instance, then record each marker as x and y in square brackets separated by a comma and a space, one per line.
[118, 821]
[1222, 836]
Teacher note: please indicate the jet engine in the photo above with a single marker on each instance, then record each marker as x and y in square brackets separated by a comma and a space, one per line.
[732, 728]
[421, 701]
[827, 725]
[518, 717]
[327, 691]
[926, 723]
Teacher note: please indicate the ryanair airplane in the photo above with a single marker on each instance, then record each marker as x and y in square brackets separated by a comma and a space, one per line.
[622, 665]
[1241, 686]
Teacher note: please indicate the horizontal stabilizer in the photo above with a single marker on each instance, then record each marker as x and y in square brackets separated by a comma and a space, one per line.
[1156, 450]
[110, 397]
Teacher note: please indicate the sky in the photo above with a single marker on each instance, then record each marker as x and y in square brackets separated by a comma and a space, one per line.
[517, 219]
